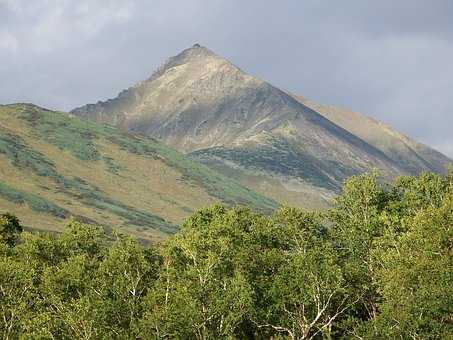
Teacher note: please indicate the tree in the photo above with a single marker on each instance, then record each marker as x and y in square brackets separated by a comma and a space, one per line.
[377, 265]
[308, 292]
[10, 229]
[16, 296]
[357, 220]
[125, 275]
[202, 292]
[414, 271]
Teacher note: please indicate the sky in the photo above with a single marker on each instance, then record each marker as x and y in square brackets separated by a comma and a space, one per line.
[392, 60]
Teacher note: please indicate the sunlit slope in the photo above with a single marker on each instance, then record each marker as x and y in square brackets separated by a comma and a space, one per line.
[54, 166]
[272, 142]
[409, 154]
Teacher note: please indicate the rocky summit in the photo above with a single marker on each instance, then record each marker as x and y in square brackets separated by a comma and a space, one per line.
[279, 144]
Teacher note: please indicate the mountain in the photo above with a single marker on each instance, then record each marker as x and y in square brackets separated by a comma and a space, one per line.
[407, 153]
[54, 165]
[269, 140]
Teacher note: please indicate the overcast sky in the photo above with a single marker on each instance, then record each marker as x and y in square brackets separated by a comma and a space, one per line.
[392, 60]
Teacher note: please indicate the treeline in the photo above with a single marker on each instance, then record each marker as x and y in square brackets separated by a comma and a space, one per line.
[378, 265]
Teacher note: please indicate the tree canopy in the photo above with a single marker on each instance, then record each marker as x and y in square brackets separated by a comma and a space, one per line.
[377, 265]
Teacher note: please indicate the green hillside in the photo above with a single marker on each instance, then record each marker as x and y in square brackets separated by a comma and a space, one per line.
[54, 166]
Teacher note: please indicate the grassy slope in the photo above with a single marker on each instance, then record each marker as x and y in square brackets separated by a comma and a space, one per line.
[264, 170]
[286, 191]
[53, 166]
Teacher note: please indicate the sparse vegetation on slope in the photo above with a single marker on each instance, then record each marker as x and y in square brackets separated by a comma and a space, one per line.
[35, 202]
[75, 165]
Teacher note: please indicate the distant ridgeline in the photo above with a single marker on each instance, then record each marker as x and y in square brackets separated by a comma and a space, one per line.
[377, 265]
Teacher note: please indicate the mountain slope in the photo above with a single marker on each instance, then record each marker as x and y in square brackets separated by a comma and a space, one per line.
[247, 129]
[408, 154]
[53, 166]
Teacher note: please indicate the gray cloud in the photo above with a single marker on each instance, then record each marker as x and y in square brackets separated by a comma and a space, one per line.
[388, 59]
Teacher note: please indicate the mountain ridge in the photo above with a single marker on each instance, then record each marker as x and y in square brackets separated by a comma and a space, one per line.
[344, 118]
[205, 106]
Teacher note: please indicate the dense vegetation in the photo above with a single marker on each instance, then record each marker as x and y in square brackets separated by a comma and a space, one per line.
[377, 265]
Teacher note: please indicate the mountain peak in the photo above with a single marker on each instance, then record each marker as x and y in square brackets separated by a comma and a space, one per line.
[198, 46]
[201, 103]
[196, 51]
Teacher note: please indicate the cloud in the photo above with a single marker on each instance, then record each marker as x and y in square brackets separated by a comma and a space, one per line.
[388, 59]
[8, 43]
[446, 145]
[44, 26]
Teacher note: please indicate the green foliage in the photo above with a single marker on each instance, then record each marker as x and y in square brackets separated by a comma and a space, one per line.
[34, 202]
[16, 296]
[376, 266]
[10, 229]
[203, 271]
[24, 157]
[72, 135]
[81, 284]
[308, 291]
[356, 220]
[413, 269]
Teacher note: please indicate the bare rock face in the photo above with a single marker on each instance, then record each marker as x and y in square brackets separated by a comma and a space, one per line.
[281, 145]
